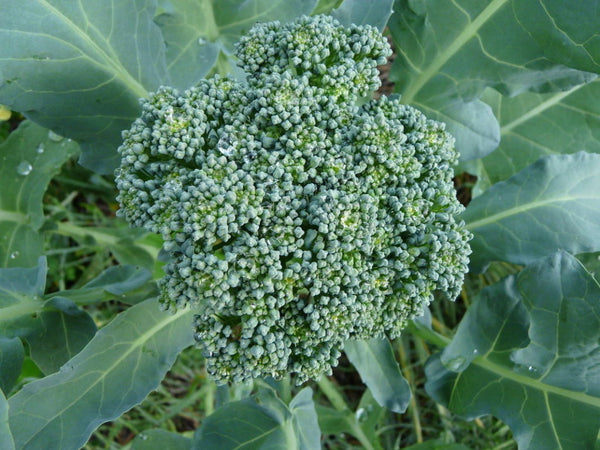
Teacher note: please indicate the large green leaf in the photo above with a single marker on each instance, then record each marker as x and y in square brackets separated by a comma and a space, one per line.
[159, 439]
[375, 362]
[30, 157]
[21, 292]
[12, 356]
[55, 329]
[62, 330]
[197, 30]
[79, 68]
[448, 52]
[552, 204]
[264, 422]
[359, 12]
[124, 362]
[525, 121]
[528, 352]
[566, 30]
[6, 440]
[125, 283]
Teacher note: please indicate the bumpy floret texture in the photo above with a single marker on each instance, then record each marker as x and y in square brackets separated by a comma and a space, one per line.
[297, 214]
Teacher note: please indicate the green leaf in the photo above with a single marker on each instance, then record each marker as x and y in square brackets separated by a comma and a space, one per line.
[528, 352]
[159, 439]
[21, 291]
[567, 31]
[325, 6]
[197, 30]
[332, 421]
[118, 368]
[30, 157]
[79, 68]
[437, 444]
[359, 12]
[12, 356]
[186, 25]
[121, 282]
[375, 362]
[260, 423]
[572, 115]
[448, 52]
[370, 415]
[6, 440]
[552, 204]
[62, 331]
[472, 123]
[55, 329]
[304, 417]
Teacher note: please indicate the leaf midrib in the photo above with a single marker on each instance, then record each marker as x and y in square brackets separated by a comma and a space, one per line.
[135, 344]
[523, 208]
[118, 68]
[536, 384]
[463, 37]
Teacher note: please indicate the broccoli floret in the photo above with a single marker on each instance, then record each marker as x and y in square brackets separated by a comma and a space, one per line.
[297, 213]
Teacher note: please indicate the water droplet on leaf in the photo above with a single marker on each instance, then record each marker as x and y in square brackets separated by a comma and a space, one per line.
[143, 437]
[54, 137]
[201, 41]
[40, 148]
[361, 414]
[14, 255]
[24, 168]
[456, 363]
[475, 351]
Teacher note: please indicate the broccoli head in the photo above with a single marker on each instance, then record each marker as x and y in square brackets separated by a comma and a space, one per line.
[296, 212]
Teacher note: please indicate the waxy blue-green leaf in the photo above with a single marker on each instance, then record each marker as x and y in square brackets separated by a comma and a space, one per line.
[528, 352]
[21, 292]
[55, 329]
[125, 283]
[567, 31]
[197, 30]
[159, 439]
[29, 158]
[6, 440]
[326, 6]
[359, 12]
[12, 355]
[124, 362]
[262, 422]
[550, 205]
[375, 362]
[451, 51]
[79, 68]
[62, 330]
[534, 125]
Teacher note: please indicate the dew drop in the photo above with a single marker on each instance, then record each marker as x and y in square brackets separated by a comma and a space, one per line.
[143, 437]
[24, 168]
[14, 255]
[201, 41]
[475, 351]
[54, 137]
[40, 149]
[361, 414]
[532, 369]
[456, 363]
[224, 146]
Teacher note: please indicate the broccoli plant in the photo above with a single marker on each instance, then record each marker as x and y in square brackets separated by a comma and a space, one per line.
[208, 205]
[295, 213]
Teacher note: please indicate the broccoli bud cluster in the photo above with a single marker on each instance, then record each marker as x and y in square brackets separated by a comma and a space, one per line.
[297, 213]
